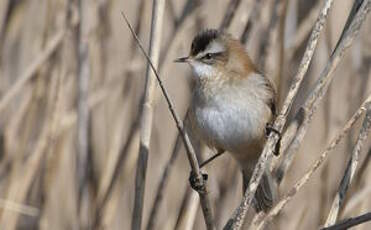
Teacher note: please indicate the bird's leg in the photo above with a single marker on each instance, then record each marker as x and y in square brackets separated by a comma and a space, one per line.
[194, 181]
[220, 152]
[268, 129]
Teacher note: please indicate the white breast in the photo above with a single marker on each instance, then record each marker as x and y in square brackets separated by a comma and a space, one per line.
[234, 117]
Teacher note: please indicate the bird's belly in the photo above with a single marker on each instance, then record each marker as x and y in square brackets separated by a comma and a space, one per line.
[231, 126]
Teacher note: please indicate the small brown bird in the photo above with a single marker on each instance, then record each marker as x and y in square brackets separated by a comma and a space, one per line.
[232, 104]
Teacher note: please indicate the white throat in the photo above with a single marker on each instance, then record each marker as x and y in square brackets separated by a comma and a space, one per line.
[202, 70]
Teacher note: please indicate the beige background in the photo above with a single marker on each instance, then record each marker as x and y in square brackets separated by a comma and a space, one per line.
[38, 126]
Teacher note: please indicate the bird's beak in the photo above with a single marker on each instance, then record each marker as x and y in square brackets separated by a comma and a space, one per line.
[182, 59]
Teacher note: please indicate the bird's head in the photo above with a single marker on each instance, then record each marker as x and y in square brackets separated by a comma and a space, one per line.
[213, 51]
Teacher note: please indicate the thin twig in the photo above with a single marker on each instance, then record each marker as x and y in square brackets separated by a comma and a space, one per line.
[178, 33]
[281, 47]
[3, 16]
[19, 190]
[253, 16]
[204, 198]
[107, 185]
[147, 116]
[351, 222]
[30, 71]
[211, 158]
[188, 8]
[364, 165]
[228, 17]
[115, 163]
[313, 100]
[357, 198]
[350, 170]
[229, 14]
[188, 210]
[83, 76]
[18, 207]
[238, 217]
[161, 187]
[304, 179]
[303, 30]
[305, 114]
[308, 54]
[266, 39]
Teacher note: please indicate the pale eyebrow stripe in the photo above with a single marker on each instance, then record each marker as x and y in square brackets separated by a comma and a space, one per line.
[215, 47]
[212, 48]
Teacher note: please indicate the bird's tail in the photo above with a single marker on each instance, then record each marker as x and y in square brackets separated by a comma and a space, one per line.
[266, 193]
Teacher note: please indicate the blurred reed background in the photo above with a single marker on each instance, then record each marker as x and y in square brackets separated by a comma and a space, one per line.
[71, 82]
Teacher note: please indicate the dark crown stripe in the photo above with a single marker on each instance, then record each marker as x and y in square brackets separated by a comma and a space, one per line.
[202, 40]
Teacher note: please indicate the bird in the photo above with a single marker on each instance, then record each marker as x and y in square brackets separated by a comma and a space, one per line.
[232, 105]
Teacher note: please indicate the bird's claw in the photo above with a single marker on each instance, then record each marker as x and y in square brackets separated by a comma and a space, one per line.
[268, 129]
[196, 183]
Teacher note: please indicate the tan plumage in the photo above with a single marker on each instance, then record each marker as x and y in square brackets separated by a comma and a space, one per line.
[231, 105]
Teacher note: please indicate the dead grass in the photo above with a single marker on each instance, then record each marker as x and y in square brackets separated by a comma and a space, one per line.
[71, 82]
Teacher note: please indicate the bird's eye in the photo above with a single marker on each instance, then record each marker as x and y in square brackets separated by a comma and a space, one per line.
[208, 56]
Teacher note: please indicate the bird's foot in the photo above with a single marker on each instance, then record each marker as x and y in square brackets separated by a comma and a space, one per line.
[268, 129]
[196, 183]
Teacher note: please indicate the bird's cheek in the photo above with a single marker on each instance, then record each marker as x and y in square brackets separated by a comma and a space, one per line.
[201, 69]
